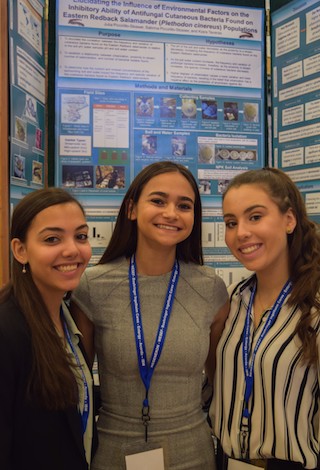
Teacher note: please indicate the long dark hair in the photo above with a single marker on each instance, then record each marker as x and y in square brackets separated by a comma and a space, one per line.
[304, 249]
[52, 382]
[124, 238]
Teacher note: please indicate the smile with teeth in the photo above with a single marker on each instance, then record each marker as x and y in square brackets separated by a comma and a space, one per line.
[167, 227]
[249, 249]
[67, 268]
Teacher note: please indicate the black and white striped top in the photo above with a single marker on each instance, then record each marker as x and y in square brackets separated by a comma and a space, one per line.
[285, 401]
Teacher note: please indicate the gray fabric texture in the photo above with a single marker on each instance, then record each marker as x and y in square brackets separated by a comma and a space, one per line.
[177, 420]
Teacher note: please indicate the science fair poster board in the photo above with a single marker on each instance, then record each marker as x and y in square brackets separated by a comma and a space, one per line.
[27, 96]
[144, 81]
[296, 96]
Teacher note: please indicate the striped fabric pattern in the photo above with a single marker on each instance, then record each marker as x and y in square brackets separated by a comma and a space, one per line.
[285, 400]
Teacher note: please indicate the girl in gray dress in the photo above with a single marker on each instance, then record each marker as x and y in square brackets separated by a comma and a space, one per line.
[156, 313]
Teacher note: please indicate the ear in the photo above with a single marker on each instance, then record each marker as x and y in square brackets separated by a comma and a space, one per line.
[131, 212]
[19, 250]
[291, 221]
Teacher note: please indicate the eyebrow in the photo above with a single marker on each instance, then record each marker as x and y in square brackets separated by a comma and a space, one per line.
[248, 209]
[160, 193]
[59, 229]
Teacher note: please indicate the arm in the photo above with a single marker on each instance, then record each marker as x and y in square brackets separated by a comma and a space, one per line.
[87, 329]
[215, 334]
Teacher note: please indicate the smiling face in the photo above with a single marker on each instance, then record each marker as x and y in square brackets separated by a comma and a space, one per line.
[164, 212]
[256, 230]
[56, 249]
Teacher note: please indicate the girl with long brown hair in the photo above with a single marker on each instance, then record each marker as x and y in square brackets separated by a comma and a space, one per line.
[46, 396]
[266, 404]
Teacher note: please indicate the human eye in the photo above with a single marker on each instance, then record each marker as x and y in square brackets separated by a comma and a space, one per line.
[82, 237]
[185, 206]
[52, 239]
[255, 217]
[157, 201]
[230, 223]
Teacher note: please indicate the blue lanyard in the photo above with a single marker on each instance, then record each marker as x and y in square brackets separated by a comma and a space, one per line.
[146, 371]
[86, 406]
[249, 368]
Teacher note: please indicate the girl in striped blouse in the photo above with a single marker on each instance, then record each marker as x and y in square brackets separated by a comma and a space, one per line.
[265, 410]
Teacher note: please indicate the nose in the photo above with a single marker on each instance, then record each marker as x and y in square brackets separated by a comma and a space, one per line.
[243, 230]
[70, 248]
[170, 211]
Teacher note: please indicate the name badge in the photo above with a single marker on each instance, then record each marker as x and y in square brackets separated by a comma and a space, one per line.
[238, 465]
[145, 460]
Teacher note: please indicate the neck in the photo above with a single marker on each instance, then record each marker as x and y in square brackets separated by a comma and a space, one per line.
[273, 278]
[268, 290]
[154, 263]
[269, 287]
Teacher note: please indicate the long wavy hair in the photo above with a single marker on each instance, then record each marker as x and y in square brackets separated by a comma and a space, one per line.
[123, 241]
[304, 249]
[51, 382]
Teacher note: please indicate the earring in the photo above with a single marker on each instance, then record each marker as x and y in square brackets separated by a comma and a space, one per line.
[24, 269]
[289, 231]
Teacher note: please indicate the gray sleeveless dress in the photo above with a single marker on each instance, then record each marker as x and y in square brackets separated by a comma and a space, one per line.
[177, 422]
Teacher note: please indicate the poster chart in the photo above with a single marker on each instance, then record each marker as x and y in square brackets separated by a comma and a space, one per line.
[296, 97]
[27, 96]
[139, 82]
